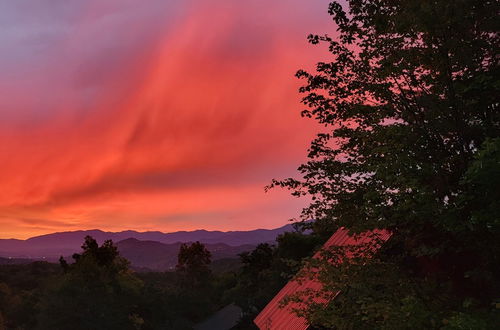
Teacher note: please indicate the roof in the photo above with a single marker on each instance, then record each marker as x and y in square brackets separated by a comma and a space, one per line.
[275, 317]
[224, 319]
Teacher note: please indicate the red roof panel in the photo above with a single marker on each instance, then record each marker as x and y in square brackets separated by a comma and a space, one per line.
[274, 317]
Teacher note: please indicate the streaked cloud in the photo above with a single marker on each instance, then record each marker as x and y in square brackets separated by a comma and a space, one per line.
[163, 115]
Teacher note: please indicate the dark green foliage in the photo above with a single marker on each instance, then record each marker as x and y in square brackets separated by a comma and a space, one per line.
[97, 291]
[481, 182]
[179, 299]
[296, 245]
[267, 268]
[410, 106]
[165, 305]
[19, 293]
[226, 265]
[380, 293]
[193, 265]
[388, 300]
[260, 277]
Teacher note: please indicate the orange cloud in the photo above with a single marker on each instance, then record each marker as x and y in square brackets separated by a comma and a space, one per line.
[180, 130]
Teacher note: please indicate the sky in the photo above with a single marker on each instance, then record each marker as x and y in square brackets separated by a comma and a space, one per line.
[152, 115]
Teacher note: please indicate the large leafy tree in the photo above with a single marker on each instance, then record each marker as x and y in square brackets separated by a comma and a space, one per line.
[97, 291]
[195, 280]
[193, 264]
[410, 106]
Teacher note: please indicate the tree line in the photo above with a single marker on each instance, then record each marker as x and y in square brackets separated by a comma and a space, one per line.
[97, 289]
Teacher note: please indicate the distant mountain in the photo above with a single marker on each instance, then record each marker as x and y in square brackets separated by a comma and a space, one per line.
[155, 256]
[52, 246]
[160, 257]
[15, 261]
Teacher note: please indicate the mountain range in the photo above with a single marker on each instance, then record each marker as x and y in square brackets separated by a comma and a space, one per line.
[153, 249]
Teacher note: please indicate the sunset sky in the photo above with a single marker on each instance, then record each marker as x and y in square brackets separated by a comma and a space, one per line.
[152, 115]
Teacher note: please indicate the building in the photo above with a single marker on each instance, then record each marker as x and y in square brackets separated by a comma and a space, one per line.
[275, 317]
[224, 319]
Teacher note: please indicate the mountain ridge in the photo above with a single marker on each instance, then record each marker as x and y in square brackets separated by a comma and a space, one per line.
[68, 242]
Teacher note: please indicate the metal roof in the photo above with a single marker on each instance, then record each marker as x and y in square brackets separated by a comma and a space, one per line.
[274, 317]
[224, 319]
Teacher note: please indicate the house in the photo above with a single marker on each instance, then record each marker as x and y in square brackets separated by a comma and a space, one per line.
[224, 319]
[276, 317]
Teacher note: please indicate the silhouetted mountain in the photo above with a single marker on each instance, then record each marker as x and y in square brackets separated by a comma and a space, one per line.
[51, 246]
[160, 257]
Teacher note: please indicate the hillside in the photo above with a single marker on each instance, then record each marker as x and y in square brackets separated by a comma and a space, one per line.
[160, 257]
[53, 245]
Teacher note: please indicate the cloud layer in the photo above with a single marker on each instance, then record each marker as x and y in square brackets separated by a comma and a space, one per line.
[161, 116]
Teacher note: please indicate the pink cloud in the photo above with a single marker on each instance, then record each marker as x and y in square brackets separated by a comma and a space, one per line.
[160, 117]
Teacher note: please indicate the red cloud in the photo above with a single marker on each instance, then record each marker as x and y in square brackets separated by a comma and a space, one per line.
[194, 119]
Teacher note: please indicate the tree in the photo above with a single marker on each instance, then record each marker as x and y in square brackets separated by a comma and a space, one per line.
[20, 287]
[267, 268]
[259, 279]
[97, 291]
[368, 298]
[193, 263]
[409, 99]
